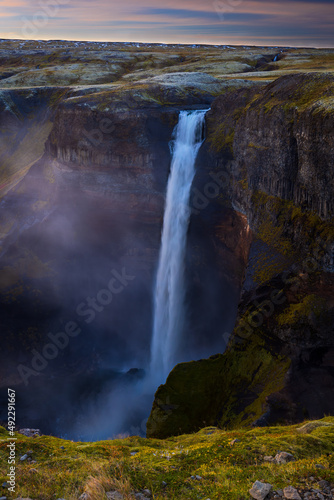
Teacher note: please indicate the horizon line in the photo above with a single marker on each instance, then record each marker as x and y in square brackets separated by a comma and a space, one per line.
[169, 43]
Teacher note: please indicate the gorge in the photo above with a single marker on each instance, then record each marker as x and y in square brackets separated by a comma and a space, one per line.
[85, 165]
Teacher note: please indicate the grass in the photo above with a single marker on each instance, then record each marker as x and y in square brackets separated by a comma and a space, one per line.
[65, 469]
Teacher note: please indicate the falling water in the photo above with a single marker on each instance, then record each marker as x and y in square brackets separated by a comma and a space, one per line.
[170, 289]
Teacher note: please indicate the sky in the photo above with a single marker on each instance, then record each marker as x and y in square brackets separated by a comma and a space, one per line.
[241, 22]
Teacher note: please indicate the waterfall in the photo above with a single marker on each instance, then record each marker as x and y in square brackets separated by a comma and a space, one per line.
[170, 289]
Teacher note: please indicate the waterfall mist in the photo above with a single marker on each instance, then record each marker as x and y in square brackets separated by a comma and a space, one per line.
[129, 405]
[103, 383]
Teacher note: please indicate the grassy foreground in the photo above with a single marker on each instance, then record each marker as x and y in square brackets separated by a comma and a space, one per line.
[225, 470]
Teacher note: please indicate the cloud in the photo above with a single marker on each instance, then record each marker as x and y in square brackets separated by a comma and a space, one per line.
[192, 21]
[201, 15]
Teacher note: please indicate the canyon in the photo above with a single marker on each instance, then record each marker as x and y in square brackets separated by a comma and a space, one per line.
[85, 158]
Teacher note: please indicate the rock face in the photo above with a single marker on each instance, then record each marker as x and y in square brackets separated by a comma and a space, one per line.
[282, 152]
[115, 152]
[90, 205]
[284, 143]
[274, 153]
[83, 181]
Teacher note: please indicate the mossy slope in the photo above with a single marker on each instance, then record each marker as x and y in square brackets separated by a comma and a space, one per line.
[65, 469]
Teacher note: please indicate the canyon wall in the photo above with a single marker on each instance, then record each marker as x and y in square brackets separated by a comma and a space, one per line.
[91, 203]
[274, 152]
[82, 196]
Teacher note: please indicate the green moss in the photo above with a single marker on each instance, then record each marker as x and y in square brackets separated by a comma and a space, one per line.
[274, 218]
[221, 138]
[57, 96]
[271, 104]
[280, 220]
[256, 146]
[227, 390]
[255, 373]
[271, 378]
[301, 310]
[312, 91]
[226, 471]
[267, 265]
[243, 183]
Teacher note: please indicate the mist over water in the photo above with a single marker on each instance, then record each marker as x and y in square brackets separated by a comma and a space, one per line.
[170, 288]
[129, 405]
[103, 383]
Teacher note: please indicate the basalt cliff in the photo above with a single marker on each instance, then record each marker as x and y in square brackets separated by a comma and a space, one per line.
[274, 153]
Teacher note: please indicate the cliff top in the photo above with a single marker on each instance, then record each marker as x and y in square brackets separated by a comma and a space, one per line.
[65, 63]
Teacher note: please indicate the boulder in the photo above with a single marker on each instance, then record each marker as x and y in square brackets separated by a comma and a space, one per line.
[114, 495]
[291, 493]
[283, 457]
[259, 490]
